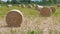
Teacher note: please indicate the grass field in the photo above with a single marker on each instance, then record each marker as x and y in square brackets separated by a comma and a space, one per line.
[33, 22]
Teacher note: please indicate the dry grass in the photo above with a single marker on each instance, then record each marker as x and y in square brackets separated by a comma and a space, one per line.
[32, 22]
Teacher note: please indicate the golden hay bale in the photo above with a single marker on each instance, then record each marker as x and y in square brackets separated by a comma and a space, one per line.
[53, 9]
[14, 18]
[9, 5]
[45, 11]
[30, 6]
[22, 5]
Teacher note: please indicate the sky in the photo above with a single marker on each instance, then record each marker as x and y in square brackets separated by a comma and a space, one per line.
[32, 0]
[4, 0]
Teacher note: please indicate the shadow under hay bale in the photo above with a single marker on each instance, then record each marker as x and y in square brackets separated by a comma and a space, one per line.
[53, 9]
[45, 12]
[14, 18]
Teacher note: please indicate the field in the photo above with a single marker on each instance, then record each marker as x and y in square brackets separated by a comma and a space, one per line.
[33, 22]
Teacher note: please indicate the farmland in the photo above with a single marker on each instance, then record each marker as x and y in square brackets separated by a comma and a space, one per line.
[33, 22]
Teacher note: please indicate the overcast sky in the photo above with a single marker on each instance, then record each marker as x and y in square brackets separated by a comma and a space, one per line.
[32, 0]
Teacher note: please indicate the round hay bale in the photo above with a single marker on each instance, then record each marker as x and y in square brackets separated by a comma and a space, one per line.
[53, 9]
[34, 5]
[19, 5]
[9, 5]
[30, 6]
[45, 11]
[58, 5]
[22, 5]
[38, 7]
[14, 18]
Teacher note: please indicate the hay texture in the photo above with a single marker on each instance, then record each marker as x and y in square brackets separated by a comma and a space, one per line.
[53, 9]
[19, 5]
[14, 18]
[45, 12]
[29, 6]
[9, 5]
[58, 5]
[22, 5]
[38, 7]
[34, 5]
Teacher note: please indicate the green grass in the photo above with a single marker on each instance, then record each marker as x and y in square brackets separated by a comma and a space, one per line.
[26, 11]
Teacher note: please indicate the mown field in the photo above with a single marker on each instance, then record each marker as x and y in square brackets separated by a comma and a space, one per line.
[33, 22]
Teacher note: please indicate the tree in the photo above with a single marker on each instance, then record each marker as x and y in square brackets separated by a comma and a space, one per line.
[49, 1]
[55, 1]
[14, 2]
[8, 1]
[29, 1]
[44, 1]
[0, 1]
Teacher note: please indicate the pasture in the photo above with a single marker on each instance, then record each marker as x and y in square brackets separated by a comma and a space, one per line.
[33, 22]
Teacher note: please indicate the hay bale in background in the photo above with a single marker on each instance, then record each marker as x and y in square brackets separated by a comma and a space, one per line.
[14, 18]
[22, 5]
[30, 6]
[19, 5]
[9, 5]
[34, 5]
[45, 11]
[58, 5]
[38, 7]
[53, 9]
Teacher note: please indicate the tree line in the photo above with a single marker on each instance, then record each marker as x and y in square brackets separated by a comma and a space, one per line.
[44, 2]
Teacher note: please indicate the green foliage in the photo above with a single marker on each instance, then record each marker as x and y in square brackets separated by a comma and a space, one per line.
[13, 31]
[0, 1]
[55, 1]
[41, 31]
[50, 31]
[8, 1]
[59, 33]
[14, 2]
[43, 2]
[32, 32]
